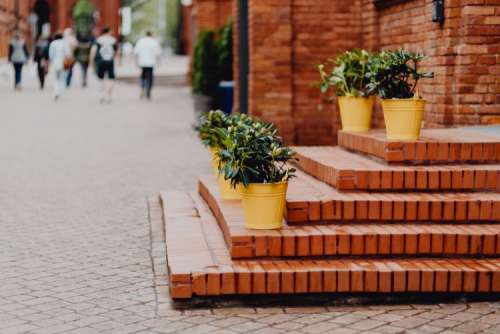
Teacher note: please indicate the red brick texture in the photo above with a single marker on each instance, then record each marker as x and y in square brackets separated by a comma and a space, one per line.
[320, 239]
[287, 38]
[348, 171]
[8, 22]
[435, 146]
[211, 14]
[200, 265]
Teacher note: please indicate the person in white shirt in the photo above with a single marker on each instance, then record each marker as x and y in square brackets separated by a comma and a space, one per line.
[71, 40]
[147, 51]
[103, 55]
[59, 52]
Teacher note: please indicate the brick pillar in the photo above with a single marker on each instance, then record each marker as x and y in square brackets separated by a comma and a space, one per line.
[270, 56]
[477, 94]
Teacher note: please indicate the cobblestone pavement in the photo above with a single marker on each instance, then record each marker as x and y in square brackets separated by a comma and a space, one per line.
[75, 247]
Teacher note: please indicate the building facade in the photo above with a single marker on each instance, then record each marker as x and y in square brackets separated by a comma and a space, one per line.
[14, 12]
[287, 38]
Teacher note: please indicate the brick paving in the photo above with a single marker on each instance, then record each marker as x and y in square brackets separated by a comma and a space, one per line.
[76, 253]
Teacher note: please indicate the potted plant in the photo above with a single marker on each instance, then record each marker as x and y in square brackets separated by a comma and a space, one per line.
[396, 79]
[208, 131]
[254, 159]
[349, 75]
[204, 76]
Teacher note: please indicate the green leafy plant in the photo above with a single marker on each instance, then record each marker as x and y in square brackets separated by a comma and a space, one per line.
[251, 152]
[205, 73]
[210, 122]
[224, 45]
[396, 74]
[349, 74]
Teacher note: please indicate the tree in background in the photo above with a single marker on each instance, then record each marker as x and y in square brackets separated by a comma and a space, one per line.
[174, 25]
[83, 18]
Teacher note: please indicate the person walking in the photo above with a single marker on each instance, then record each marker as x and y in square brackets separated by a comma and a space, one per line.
[147, 51]
[18, 56]
[103, 55]
[60, 57]
[82, 56]
[70, 39]
[41, 58]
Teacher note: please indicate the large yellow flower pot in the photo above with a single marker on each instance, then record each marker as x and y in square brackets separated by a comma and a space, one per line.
[356, 113]
[264, 205]
[403, 118]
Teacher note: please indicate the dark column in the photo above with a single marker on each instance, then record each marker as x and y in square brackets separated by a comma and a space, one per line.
[243, 55]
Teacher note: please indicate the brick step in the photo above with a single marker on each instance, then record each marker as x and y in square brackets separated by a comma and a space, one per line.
[312, 201]
[349, 171]
[434, 146]
[200, 265]
[347, 239]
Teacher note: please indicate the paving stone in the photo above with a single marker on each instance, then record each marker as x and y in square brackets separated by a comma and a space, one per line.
[75, 252]
[366, 324]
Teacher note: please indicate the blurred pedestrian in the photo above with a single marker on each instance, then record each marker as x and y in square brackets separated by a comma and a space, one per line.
[60, 58]
[70, 39]
[103, 54]
[82, 56]
[41, 58]
[147, 52]
[18, 56]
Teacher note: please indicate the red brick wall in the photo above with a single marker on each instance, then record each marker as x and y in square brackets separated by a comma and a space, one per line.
[321, 29]
[463, 53]
[61, 12]
[212, 14]
[287, 38]
[8, 22]
[270, 57]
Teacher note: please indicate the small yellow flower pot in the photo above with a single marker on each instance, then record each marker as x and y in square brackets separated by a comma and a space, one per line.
[264, 205]
[226, 191]
[403, 118]
[356, 113]
[215, 161]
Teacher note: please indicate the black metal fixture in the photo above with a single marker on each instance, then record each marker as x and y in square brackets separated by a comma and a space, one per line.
[243, 55]
[438, 11]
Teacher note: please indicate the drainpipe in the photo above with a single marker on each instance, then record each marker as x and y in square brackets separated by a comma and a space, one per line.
[17, 14]
[243, 54]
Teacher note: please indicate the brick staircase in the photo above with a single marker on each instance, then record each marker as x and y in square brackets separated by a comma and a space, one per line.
[367, 216]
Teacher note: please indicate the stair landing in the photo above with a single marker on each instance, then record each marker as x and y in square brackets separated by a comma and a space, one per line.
[456, 145]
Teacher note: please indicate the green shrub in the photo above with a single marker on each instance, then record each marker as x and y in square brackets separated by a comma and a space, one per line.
[209, 123]
[349, 74]
[205, 74]
[251, 152]
[397, 74]
[225, 52]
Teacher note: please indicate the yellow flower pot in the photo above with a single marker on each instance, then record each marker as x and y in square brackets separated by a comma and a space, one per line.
[403, 118]
[264, 205]
[215, 161]
[226, 191]
[356, 113]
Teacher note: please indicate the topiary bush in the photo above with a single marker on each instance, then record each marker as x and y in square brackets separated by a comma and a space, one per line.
[225, 52]
[205, 76]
